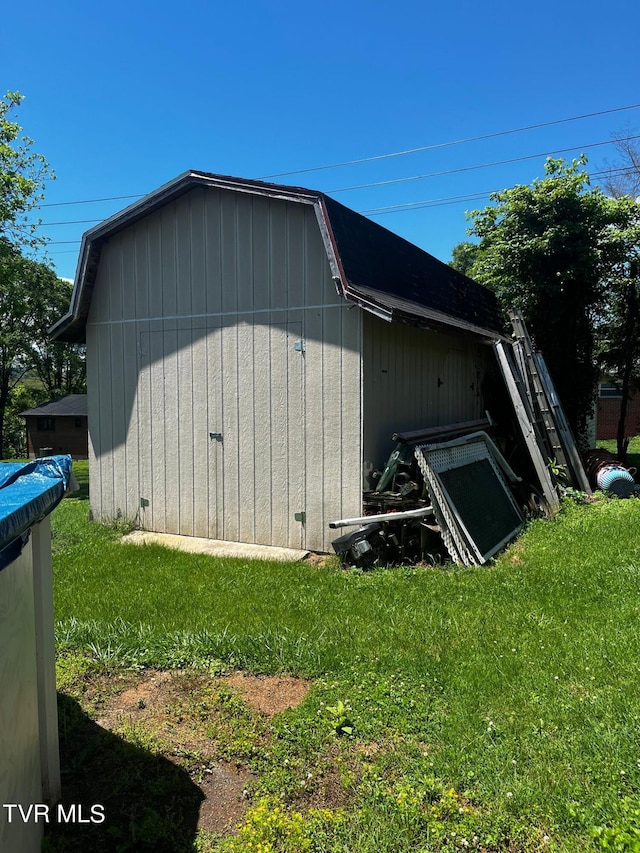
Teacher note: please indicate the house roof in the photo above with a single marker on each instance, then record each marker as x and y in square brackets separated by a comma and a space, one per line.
[71, 405]
[371, 266]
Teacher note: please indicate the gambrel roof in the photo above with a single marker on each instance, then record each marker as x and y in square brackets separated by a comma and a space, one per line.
[371, 266]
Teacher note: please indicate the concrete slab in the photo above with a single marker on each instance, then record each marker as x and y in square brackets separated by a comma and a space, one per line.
[214, 547]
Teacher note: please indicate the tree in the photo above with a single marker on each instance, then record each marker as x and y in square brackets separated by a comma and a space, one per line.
[618, 327]
[23, 175]
[623, 176]
[463, 257]
[549, 250]
[31, 298]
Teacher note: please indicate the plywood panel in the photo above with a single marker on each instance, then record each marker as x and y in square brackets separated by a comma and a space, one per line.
[196, 248]
[228, 252]
[129, 409]
[214, 446]
[296, 426]
[250, 429]
[119, 420]
[144, 423]
[200, 433]
[170, 427]
[158, 430]
[414, 379]
[262, 429]
[104, 444]
[93, 419]
[351, 445]
[278, 254]
[183, 237]
[244, 254]
[260, 251]
[230, 430]
[186, 450]
[154, 248]
[168, 270]
[213, 253]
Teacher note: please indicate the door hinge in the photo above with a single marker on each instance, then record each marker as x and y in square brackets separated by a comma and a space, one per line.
[301, 516]
[299, 346]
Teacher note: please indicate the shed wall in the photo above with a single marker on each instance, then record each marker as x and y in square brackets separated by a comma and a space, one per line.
[193, 330]
[414, 379]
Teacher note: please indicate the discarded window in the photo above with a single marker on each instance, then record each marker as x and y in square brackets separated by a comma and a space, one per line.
[449, 493]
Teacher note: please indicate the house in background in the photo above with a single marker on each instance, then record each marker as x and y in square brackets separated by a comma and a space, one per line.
[58, 427]
[252, 347]
[608, 411]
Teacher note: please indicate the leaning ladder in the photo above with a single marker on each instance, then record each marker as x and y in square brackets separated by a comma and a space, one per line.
[546, 406]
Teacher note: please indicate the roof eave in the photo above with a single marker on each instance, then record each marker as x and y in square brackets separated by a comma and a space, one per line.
[425, 318]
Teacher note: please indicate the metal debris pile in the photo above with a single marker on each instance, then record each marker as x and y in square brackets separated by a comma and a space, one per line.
[448, 492]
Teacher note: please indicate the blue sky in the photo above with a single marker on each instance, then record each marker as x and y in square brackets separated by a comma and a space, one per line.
[121, 97]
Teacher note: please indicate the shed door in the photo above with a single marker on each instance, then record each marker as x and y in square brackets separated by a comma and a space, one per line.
[256, 459]
[220, 410]
[173, 418]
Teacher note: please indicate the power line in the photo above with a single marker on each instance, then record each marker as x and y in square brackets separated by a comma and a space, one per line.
[385, 156]
[392, 208]
[437, 202]
[452, 142]
[476, 167]
[69, 222]
[369, 185]
[91, 200]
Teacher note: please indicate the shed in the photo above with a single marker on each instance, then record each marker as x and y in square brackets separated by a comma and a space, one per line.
[252, 347]
[60, 426]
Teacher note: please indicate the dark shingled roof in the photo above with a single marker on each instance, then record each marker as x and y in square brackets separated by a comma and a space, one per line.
[383, 266]
[71, 405]
[372, 267]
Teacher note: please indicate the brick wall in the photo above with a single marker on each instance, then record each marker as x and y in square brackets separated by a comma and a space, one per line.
[69, 436]
[609, 413]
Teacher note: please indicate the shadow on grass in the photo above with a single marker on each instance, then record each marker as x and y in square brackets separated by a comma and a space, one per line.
[148, 802]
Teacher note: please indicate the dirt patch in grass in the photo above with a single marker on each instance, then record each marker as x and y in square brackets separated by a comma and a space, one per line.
[224, 789]
[269, 694]
[207, 726]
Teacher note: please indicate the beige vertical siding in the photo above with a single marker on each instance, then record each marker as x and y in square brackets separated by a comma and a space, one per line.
[415, 379]
[193, 322]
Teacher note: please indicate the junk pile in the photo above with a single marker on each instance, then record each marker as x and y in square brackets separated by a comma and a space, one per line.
[448, 492]
[607, 473]
[454, 497]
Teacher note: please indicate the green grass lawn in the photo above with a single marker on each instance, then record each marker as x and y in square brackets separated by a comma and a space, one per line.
[487, 709]
[633, 451]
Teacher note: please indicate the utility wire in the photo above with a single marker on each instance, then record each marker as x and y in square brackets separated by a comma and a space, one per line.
[383, 156]
[435, 202]
[452, 142]
[378, 211]
[395, 180]
[91, 200]
[478, 166]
